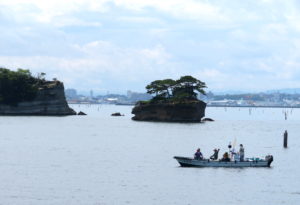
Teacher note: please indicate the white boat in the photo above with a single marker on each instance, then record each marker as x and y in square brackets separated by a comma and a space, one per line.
[254, 162]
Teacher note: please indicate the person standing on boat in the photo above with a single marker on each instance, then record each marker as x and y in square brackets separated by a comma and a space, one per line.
[198, 155]
[232, 153]
[242, 152]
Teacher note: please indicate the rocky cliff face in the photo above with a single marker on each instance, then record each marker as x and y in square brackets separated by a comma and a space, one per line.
[50, 100]
[170, 112]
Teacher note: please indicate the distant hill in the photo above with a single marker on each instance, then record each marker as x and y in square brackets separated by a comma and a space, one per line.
[231, 92]
[235, 92]
[286, 90]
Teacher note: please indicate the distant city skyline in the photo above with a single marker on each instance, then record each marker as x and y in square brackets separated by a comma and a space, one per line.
[115, 46]
[267, 99]
[230, 92]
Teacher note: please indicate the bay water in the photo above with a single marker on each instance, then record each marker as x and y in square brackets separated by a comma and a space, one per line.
[100, 159]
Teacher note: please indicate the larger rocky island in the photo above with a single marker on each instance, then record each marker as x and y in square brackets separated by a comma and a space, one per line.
[174, 101]
[170, 112]
[23, 94]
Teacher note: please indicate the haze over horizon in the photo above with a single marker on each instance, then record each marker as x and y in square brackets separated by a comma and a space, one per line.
[119, 45]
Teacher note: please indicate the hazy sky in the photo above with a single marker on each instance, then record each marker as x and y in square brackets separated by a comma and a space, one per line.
[118, 45]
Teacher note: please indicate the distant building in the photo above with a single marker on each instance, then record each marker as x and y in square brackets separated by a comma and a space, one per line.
[111, 100]
[91, 94]
[135, 96]
[224, 102]
[71, 93]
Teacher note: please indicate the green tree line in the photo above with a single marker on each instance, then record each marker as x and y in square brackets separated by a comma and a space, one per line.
[18, 86]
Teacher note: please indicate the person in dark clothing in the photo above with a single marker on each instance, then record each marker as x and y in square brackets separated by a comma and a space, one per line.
[215, 155]
[198, 155]
[242, 152]
[225, 157]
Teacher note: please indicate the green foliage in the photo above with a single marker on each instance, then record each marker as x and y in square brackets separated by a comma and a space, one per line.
[191, 84]
[186, 88]
[17, 86]
[161, 87]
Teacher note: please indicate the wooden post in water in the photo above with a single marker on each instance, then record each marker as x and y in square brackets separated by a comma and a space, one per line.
[285, 115]
[285, 139]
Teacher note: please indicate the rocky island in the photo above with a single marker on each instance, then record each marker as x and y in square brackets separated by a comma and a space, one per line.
[174, 101]
[23, 94]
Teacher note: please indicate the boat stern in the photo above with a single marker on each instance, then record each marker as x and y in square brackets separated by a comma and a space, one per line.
[269, 159]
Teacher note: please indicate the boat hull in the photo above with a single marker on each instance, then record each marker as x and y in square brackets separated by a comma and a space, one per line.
[189, 162]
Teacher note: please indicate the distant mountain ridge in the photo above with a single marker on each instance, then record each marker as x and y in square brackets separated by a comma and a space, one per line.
[285, 90]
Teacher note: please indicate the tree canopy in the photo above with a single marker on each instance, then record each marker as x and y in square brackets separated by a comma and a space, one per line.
[185, 88]
[17, 86]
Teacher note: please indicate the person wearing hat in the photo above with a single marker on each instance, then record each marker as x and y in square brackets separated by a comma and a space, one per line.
[198, 155]
[215, 155]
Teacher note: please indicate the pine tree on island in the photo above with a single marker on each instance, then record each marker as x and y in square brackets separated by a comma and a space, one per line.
[182, 90]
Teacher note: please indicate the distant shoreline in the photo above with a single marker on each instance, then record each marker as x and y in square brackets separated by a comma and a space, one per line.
[225, 106]
[248, 106]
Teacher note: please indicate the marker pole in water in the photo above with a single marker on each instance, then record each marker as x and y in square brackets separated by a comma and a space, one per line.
[285, 115]
[285, 139]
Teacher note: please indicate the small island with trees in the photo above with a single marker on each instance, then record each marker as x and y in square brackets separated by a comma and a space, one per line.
[23, 94]
[173, 101]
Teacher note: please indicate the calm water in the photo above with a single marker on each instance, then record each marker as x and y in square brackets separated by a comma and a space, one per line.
[99, 159]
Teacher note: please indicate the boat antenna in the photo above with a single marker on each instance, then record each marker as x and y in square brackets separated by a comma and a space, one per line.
[234, 142]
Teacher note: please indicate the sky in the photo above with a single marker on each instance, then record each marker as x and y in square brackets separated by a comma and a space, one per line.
[119, 45]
